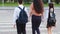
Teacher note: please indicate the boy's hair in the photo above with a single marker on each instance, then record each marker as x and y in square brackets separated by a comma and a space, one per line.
[20, 1]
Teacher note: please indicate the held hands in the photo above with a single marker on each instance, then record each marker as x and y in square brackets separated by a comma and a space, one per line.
[14, 25]
[42, 19]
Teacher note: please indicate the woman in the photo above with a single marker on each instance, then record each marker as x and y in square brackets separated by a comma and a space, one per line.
[50, 23]
[37, 10]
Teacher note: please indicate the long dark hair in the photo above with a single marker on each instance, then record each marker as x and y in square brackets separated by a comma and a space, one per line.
[38, 6]
[51, 5]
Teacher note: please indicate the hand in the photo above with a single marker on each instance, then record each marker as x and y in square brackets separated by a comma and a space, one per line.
[14, 25]
[42, 19]
[29, 19]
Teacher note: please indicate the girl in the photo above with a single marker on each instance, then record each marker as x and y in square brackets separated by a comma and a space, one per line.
[50, 23]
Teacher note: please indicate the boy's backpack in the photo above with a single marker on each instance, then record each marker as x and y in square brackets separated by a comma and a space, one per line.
[23, 18]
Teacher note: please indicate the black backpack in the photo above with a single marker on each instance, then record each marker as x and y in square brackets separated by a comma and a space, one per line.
[23, 18]
[52, 18]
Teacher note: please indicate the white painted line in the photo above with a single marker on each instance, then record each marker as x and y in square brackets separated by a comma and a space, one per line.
[7, 30]
[12, 26]
[13, 23]
[5, 26]
[6, 23]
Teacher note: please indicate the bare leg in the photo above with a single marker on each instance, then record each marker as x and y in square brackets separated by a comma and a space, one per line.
[49, 30]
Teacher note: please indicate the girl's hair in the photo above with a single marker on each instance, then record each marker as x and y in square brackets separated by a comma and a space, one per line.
[38, 6]
[51, 5]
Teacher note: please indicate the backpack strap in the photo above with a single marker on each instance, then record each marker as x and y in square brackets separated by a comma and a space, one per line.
[24, 8]
[21, 8]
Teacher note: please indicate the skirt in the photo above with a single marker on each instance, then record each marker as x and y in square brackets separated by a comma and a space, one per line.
[50, 24]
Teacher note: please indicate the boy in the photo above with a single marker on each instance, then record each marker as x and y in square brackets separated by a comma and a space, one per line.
[20, 25]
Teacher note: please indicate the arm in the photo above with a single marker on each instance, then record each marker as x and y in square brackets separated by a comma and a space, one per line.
[14, 17]
[31, 8]
[42, 12]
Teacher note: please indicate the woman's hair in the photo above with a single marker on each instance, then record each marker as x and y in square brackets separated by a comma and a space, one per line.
[20, 1]
[38, 6]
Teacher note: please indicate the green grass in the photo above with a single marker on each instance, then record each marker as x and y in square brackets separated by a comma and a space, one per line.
[26, 4]
[13, 4]
[9, 4]
[56, 5]
[16, 4]
[45, 5]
